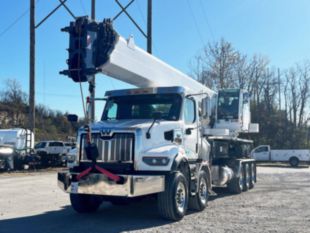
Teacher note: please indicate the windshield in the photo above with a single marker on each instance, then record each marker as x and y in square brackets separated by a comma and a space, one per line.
[228, 104]
[143, 107]
[40, 145]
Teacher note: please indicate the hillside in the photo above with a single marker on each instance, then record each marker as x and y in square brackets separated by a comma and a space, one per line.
[50, 124]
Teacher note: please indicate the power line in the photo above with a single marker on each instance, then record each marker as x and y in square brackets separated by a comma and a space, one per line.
[204, 11]
[195, 22]
[83, 7]
[144, 21]
[44, 94]
[11, 25]
[141, 12]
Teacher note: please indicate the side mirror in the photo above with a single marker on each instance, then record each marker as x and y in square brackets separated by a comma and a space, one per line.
[188, 131]
[72, 117]
[205, 107]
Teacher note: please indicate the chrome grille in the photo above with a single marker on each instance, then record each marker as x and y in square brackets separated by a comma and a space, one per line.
[118, 148]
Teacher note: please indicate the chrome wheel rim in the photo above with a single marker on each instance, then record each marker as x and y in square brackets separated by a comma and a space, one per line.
[202, 192]
[180, 197]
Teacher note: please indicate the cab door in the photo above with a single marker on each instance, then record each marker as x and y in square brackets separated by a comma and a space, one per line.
[190, 128]
[59, 148]
[261, 153]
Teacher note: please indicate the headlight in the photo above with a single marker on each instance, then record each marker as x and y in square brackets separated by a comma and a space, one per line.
[156, 161]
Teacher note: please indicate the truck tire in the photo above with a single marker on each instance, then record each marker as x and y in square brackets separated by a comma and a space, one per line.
[83, 203]
[173, 202]
[294, 161]
[200, 201]
[247, 177]
[236, 185]
[253, 178]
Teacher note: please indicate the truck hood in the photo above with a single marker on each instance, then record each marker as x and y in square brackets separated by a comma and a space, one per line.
[127, 124]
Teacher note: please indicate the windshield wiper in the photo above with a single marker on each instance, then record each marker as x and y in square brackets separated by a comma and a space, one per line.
[156, 116]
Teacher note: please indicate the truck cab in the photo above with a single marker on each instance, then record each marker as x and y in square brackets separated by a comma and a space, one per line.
[146, 129]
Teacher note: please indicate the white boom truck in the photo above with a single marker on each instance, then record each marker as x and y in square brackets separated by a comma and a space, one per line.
[295, 157]
[166, 138]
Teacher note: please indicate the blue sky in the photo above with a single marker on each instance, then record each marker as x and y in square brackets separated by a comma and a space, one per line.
[278, 29]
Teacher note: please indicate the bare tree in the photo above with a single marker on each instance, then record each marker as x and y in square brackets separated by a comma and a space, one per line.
[15, 101]
[304, 85]
[216, 66]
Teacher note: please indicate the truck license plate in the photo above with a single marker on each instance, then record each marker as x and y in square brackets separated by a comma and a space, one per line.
[74, 187]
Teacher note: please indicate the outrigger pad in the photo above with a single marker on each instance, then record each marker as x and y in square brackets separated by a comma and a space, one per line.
[92, 152]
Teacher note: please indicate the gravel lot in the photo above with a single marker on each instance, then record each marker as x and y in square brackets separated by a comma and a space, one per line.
[280, 202]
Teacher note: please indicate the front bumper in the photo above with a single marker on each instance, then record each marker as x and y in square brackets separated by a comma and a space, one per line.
[99, 184]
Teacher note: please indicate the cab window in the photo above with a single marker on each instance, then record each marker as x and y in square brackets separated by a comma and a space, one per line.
[189, 111]
[261, 149]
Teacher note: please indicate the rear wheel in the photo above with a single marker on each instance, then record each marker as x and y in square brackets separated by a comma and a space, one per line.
[247, 177]
[173, 202]
[294, 162]
[83, 203]
[253, 175]
[200, 200]
[236, 185]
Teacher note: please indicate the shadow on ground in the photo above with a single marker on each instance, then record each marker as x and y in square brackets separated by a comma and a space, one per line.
[140, 215]
[109, 218]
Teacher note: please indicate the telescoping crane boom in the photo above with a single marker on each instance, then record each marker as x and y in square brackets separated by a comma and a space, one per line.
[129, 63]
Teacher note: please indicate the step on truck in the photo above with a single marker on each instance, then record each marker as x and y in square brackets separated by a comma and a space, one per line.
[162, 138]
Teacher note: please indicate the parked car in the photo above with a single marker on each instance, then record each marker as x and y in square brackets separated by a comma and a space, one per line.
[294, 156]
[52, 153]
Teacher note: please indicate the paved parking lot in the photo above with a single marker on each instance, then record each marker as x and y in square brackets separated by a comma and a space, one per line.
[32, 202]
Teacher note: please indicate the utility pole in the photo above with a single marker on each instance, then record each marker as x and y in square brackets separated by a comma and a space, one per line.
[91, 80]
[93, 9]
[279, 87]
[32, 68]
[32, 41]
[149, 26]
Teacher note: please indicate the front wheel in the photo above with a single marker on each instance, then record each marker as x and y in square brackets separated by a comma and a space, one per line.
[200, 201]
[173, 202]
[294, 162]
[83, 203]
